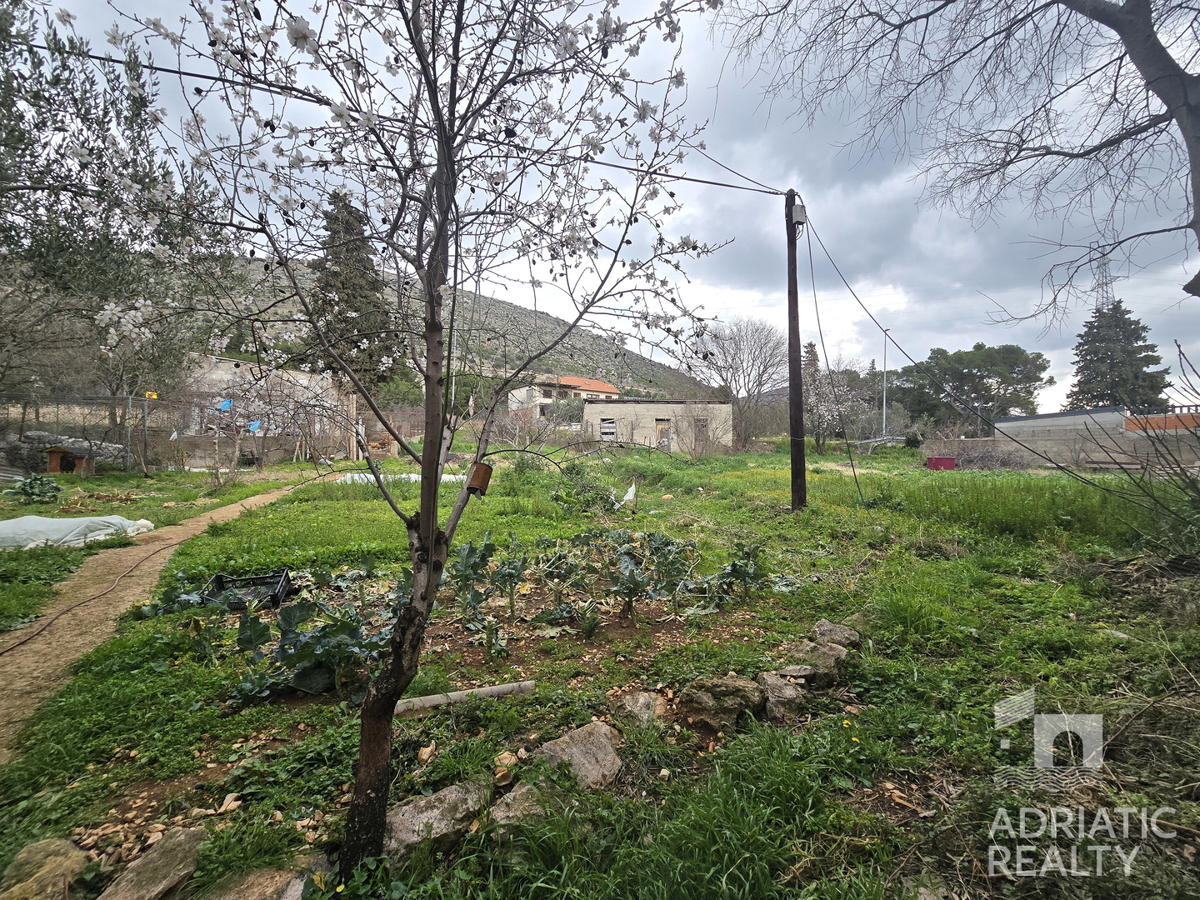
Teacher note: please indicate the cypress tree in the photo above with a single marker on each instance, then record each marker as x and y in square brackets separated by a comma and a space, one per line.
[348, 303]
[1115, 364]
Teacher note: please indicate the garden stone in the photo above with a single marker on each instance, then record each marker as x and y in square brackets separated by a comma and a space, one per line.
[824, 659]
[261, 884]
[41, 871]
[644, 706]
[442, 818]
[308, 864]
[827, 632]
[590, 751]
[720, 702]
[162, 870]
[521, 803]
[783, 698]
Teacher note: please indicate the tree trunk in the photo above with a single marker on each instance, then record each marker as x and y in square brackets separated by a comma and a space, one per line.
[366, 822]
[429, 546]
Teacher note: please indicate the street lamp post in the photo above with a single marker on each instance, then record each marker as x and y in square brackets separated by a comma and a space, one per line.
[885, 343]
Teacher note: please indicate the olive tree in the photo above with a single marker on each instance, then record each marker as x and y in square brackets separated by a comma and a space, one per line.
[76, 155]
[1072, 106]
[488, 142]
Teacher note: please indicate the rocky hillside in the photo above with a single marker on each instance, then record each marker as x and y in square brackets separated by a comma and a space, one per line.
[502, 334]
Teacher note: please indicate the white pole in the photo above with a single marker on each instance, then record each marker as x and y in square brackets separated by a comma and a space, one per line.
[885, 343]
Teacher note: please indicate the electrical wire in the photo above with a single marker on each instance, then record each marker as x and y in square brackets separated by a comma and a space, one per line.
[765, 188]
[947, 392]
[310, 97]
[812, 273]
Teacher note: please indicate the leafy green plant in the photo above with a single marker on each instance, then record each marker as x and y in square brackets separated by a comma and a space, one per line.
[631, 583]
[465, 572]
[589, 619]
[508, 574]
[744, 569]
[35, 489]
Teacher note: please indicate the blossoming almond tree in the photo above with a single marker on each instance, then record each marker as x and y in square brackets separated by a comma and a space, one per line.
[488, 143]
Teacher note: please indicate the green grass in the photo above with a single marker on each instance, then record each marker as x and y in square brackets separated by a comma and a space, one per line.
[187, 493]
[27, 577]
[969, 587]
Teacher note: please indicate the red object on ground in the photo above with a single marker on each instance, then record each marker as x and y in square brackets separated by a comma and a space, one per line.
[940, 463]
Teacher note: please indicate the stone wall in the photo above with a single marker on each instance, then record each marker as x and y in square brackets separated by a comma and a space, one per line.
[1100, 438]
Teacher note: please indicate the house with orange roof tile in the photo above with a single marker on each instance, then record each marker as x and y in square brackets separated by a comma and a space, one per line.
[548, 390]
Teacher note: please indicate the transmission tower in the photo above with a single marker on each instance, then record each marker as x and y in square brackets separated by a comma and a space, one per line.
[1102, 285]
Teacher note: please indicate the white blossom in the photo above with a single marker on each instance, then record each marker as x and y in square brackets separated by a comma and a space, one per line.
[609, 29]
[65, 17]
[301, 35]
[341, 112]
[567, 43]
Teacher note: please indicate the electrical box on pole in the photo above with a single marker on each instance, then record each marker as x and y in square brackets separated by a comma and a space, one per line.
[795, 217]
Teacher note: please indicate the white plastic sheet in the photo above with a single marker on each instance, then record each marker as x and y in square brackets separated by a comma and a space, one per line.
[38, 531]
[368, 478]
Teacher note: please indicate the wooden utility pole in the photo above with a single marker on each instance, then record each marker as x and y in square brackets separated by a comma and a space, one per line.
[794, 217]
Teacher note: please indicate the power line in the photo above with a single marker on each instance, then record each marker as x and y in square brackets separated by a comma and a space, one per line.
[724, 184]
[954, 396]
[765, 188]
[310, 97]
[812, 273]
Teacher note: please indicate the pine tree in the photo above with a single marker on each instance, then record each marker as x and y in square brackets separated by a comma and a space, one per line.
[348, 304]
[1114, 363]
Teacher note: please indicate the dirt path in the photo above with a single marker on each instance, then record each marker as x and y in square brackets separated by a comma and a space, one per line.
[31, 672]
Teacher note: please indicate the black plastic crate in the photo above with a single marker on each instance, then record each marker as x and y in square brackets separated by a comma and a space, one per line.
[242, 593]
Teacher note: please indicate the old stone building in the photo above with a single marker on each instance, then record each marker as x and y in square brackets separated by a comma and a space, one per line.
[691, 427]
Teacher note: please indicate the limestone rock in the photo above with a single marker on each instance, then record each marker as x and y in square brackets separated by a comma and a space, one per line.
[40, 871]
[517, 805]
[590, 751]
[307, 864]
[162, 870]
[644, 706]
[720, 702]
[826, 661]
[827, 632]
[783, 697]
[442, 818]
[261, 884]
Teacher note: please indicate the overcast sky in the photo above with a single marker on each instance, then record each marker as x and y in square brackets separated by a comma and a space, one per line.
[932, 277]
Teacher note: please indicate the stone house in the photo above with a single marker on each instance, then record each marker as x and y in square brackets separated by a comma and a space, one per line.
[1105, 437]
[691, 427]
